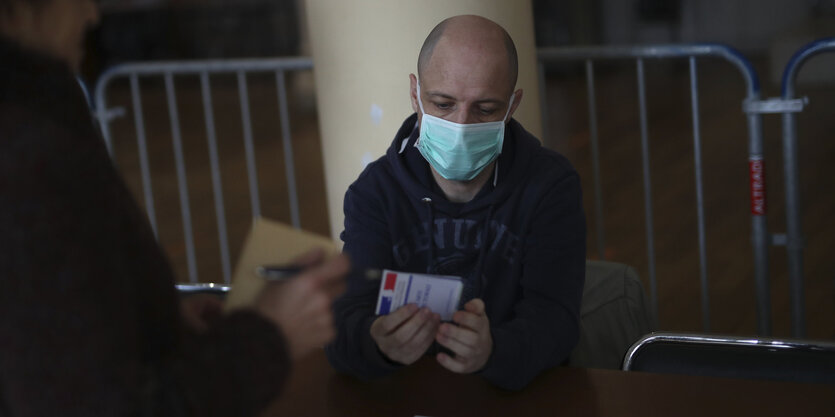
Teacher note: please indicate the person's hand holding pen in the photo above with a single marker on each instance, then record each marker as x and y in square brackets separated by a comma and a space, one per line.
[301, 305]
[200, 310]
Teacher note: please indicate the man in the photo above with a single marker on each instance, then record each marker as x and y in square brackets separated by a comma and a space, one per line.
[90, 322]
[464, 190]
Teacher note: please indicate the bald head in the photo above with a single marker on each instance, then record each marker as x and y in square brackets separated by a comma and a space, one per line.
[472, 34]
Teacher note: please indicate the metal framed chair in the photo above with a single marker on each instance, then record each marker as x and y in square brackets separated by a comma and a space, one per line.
[733, 357]
[614, 313]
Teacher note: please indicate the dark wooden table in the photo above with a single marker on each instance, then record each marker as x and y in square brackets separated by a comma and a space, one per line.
[427, 389]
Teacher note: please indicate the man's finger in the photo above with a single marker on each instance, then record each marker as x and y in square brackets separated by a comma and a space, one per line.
[426, 333]
[449, 334]
[461, 350]
[468, 320]
[407, 331]
[475, 306]
[453, 364]
[392, 321]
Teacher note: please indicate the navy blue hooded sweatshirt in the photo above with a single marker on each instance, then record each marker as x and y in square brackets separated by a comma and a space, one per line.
[519, 245]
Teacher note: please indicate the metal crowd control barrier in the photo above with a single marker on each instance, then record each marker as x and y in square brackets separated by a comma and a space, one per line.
[793, 239]
[240, 67]
[85, 91]
[760, 236]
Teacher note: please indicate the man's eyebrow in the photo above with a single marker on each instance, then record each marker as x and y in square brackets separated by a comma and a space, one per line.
[449, 97]
[442, 95]
[490, 100]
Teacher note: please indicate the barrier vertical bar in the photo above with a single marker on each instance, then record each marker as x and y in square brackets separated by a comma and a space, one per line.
[595, 161]
[103, 119]
[642, 102]
[144, 165]
[249, 148]
[759, 230]
[217, 185]
[289, 165]
[760, 238]
[85, 91]
[182, 182]
[700, 201]
[794, 229]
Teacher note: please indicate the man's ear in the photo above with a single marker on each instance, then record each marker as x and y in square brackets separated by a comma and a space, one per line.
[517, 98]
[413, 93]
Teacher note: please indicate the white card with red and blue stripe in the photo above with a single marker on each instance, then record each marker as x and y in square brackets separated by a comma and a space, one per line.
[440, 293]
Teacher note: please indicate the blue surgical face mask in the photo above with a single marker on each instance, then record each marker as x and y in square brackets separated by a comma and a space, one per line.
[457, 151]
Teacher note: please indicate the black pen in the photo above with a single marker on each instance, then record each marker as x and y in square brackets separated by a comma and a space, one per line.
[277, 272]
[285, 272]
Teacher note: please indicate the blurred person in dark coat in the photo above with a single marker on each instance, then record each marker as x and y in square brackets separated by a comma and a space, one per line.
[90, 321]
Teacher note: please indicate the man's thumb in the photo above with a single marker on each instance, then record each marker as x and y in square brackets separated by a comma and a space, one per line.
[475, 306]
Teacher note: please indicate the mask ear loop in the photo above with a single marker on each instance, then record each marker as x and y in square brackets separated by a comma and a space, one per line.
[504, 120]
[422, 112]
[509, 104]
[420, 102]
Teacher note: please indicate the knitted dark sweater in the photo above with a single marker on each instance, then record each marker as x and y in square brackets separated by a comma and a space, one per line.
[89, 317]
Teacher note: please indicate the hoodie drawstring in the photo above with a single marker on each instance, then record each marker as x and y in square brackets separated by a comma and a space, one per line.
[482, 256]
[430, 263]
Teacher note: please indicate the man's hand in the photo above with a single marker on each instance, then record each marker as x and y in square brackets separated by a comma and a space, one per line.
[470, 340]
[404, 335]
[301, 306]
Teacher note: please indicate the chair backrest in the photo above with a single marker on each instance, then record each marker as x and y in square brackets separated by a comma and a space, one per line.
[614, 313]
[734, 357]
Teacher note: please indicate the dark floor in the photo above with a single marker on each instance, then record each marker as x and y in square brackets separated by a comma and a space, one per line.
[724, 135]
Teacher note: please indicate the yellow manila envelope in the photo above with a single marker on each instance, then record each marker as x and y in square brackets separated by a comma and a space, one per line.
[269, 243]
